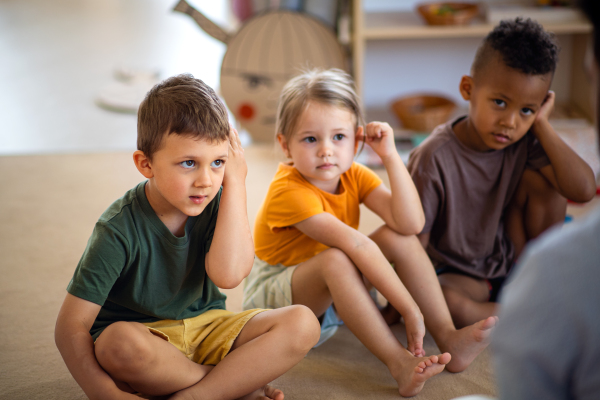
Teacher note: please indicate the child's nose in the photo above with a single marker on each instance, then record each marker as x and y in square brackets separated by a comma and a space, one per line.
[509, 120]
[325, 150]
[203, 179]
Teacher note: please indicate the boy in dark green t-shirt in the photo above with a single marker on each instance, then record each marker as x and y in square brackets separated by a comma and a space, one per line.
[143, 311]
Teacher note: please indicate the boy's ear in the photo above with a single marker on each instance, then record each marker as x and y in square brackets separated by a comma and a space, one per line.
[360, 136]
[142, 163]
[283, 144]
[466, 87]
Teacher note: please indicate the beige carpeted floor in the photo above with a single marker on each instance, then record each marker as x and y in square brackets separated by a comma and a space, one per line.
[48, 207]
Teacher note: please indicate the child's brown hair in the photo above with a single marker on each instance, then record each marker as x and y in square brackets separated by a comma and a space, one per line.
[181, 105]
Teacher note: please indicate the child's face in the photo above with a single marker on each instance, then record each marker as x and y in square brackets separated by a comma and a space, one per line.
[323, 144]
[503, 104]
[185, 175]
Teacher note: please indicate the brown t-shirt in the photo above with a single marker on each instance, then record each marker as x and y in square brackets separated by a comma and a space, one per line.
[464, 194]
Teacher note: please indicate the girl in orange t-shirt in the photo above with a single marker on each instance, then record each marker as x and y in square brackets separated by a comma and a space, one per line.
[308, 248]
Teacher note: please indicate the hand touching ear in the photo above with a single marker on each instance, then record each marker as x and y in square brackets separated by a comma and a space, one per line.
[235, 168]
[547, 107]
[380, 136]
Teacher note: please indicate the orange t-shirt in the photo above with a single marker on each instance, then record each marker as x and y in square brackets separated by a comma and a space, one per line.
[292, 199]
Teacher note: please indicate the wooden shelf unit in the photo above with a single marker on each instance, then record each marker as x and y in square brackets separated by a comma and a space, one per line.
[367, 26]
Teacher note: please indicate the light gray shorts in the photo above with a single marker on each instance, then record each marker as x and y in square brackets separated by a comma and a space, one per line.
[270, 286]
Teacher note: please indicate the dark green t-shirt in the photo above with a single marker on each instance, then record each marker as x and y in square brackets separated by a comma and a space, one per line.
[137, 270]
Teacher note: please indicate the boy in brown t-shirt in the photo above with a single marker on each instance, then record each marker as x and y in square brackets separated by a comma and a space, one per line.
[498, 177]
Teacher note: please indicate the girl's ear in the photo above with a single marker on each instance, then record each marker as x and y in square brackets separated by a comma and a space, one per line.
[284, 145]
[359, 137]
[142, 163]
[466, 87]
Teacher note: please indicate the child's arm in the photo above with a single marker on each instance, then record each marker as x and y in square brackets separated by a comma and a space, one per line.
[368, 258]
[568, 173]
[401, 208]
[76, 346]
[231, 253]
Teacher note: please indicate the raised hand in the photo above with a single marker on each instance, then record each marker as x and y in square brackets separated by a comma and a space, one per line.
[380, 136]
[547, 107]
[236, 168]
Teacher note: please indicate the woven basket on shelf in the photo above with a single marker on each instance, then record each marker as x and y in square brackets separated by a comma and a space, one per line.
[448, 13]
[423, 112]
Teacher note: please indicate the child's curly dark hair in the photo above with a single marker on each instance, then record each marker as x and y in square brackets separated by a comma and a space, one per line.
[523, 44]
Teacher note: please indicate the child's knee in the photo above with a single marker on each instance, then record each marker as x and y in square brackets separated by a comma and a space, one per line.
[336, 261]
[304, 326]
[535, 185]
[122, 347]
[542, 197]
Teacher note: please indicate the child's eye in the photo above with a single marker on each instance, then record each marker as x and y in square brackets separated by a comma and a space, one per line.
[527, 111]
[339, 136]
[310, 139]
[217, 163]
[188, 164]
[499, 103]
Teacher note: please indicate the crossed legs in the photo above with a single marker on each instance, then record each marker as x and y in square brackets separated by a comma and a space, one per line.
[268, 345]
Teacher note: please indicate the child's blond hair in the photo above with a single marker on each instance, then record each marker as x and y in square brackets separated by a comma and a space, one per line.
[333, 87]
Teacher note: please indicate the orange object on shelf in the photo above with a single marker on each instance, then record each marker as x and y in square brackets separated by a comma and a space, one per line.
[423, 112]
[448, 13]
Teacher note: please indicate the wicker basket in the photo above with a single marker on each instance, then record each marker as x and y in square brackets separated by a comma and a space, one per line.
[448, 13]
[423, 112]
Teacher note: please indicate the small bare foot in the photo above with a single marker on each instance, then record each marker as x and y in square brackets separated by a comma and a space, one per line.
[466, 343]
[265, 393]
[390, 315]
[413, 374]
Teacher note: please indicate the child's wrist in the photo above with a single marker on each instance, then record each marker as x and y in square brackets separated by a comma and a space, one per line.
[390, 157]
[229, 180]
[411, 313]
[541, 126]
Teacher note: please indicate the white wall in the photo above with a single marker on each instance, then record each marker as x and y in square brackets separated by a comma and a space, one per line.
[394, 68]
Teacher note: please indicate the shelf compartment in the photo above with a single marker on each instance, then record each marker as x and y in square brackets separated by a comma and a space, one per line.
[408, 25]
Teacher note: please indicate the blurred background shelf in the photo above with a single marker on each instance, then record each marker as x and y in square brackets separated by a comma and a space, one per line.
[409, 25]
[375, 29]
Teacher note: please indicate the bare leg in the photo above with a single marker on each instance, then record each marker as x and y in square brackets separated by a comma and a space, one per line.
[418, 275]
[467, 298]
[331, 276]
[535, 207]
[137, 359]
[270, 344]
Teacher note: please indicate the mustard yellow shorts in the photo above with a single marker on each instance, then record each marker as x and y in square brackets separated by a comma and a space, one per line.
[207, 338]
